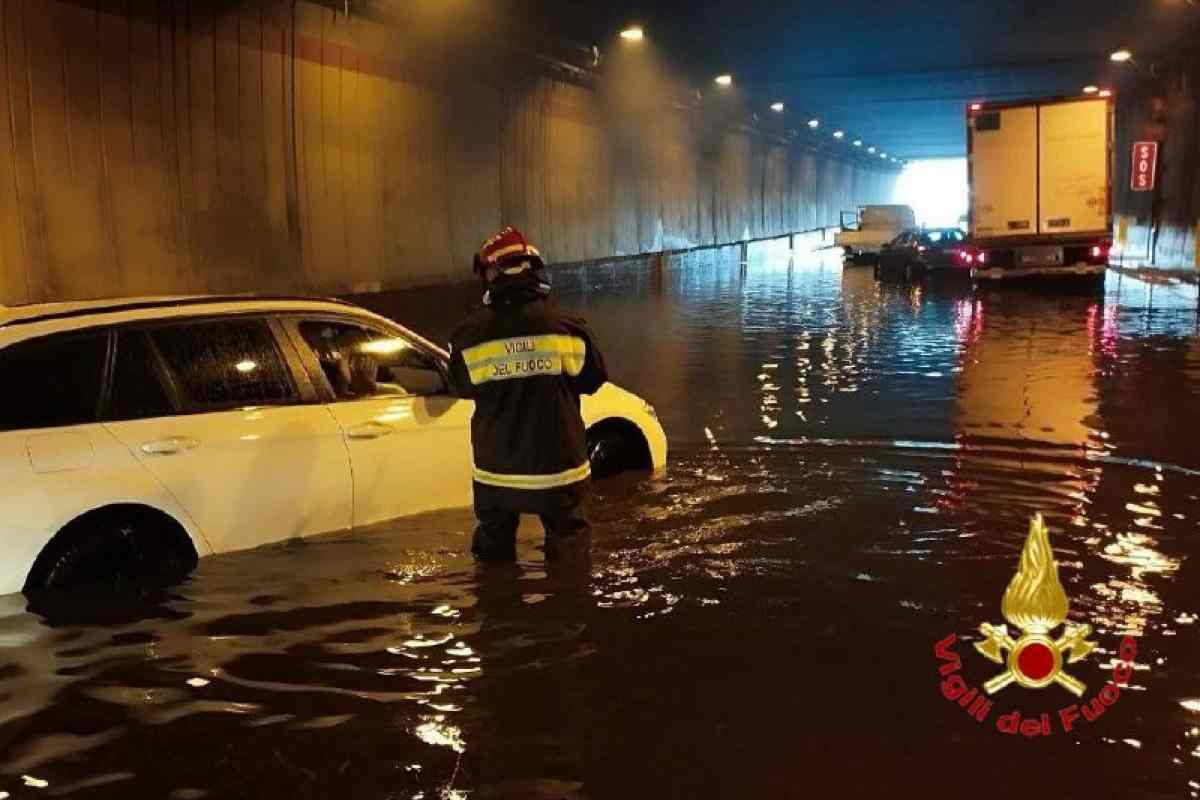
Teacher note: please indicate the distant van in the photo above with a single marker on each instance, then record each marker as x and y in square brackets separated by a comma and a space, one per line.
[866, 231]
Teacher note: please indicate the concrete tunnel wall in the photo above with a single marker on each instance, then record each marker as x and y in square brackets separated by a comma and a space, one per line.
[1161, 228]
[279, 146]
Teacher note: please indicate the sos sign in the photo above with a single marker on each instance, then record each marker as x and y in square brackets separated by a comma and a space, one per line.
[1145, 166]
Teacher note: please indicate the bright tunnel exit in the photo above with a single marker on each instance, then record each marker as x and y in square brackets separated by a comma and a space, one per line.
[937, 191]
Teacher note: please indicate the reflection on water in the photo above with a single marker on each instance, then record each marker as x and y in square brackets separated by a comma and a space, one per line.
[853, 470]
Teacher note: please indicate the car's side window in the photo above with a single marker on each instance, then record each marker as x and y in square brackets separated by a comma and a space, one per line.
[359, 361]
[137, 389]
[222, 364]
[52, 382]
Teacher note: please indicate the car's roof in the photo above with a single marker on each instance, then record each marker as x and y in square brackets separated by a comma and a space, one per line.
[36, 312]
[11, 314]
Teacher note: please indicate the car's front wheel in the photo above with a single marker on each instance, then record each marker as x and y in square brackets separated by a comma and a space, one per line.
[615, 446]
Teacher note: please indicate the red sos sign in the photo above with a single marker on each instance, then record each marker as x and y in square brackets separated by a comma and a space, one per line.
[1145, 166]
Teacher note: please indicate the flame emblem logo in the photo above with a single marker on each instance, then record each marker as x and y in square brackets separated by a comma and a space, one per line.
[1036, 604]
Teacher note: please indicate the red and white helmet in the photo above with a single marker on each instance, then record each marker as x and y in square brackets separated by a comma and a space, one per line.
[508, 252]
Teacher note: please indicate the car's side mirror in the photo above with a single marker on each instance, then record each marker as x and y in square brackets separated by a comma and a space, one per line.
[418, 382]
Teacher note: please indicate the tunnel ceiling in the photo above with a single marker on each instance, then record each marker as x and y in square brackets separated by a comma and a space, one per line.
[896, 75]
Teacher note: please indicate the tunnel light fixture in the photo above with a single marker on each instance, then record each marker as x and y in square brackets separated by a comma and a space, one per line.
[1091, 90]
[814, 123]
[723, 80]
[1106, 93]
[839, 134]
[777, 107]
[871, 149]
[858, 142]
[633, 33]
[1121, 56]
[883, 156]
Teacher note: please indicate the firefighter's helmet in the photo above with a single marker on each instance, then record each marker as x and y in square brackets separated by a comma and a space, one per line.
[507, 258]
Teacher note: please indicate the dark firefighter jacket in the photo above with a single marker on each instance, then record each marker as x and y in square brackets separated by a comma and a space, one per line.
[525, 366]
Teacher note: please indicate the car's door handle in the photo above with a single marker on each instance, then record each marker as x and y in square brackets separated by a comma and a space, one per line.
[370, 430]
[170, 446]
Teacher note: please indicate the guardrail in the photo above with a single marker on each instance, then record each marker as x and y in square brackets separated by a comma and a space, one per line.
[824, 240]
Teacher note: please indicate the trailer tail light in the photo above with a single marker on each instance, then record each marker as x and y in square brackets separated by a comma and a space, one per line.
[1099, 253]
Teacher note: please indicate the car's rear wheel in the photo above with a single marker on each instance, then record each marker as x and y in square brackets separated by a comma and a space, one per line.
[118, 548]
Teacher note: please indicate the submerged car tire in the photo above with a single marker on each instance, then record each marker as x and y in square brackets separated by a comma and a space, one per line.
[616, 446]
[114, 548]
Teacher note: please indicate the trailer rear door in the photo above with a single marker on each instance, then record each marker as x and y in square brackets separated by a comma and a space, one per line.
[1074, 167]
[1004, 172]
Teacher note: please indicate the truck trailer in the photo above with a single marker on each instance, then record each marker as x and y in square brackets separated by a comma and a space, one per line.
[1040, 176]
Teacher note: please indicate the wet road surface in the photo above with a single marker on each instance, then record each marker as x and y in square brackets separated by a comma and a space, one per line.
[853, 469]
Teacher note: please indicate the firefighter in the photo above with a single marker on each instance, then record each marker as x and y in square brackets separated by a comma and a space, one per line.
[525, 366]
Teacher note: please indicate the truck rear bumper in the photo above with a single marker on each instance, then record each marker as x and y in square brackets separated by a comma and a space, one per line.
[1014, 273]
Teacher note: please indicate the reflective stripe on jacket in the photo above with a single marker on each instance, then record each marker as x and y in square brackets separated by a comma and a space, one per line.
[525, 366]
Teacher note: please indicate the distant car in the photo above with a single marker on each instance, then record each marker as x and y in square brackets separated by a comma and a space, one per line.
[866, 231]
[138, 435]
[926, 250]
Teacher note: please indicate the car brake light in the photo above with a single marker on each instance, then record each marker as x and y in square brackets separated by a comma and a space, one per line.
[982, 258]
[1098, 252]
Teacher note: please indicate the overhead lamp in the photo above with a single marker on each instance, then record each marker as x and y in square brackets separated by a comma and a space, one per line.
[839, 134]
[814, 123]
[858, 142]
[1091, 89]
[1106, 93]
[871, 149]
[883, 156]
[723, 80]
[1121, 56]
[777, 107]
[633, 33]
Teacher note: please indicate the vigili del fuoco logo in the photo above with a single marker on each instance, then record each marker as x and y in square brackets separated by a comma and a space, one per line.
[1036, 605]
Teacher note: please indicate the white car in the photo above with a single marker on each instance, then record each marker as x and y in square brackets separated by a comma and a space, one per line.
[138, 435]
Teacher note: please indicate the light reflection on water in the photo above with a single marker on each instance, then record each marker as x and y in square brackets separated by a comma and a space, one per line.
[854, 465]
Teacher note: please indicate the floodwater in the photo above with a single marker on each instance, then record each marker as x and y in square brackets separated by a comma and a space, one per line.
[853, 471]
